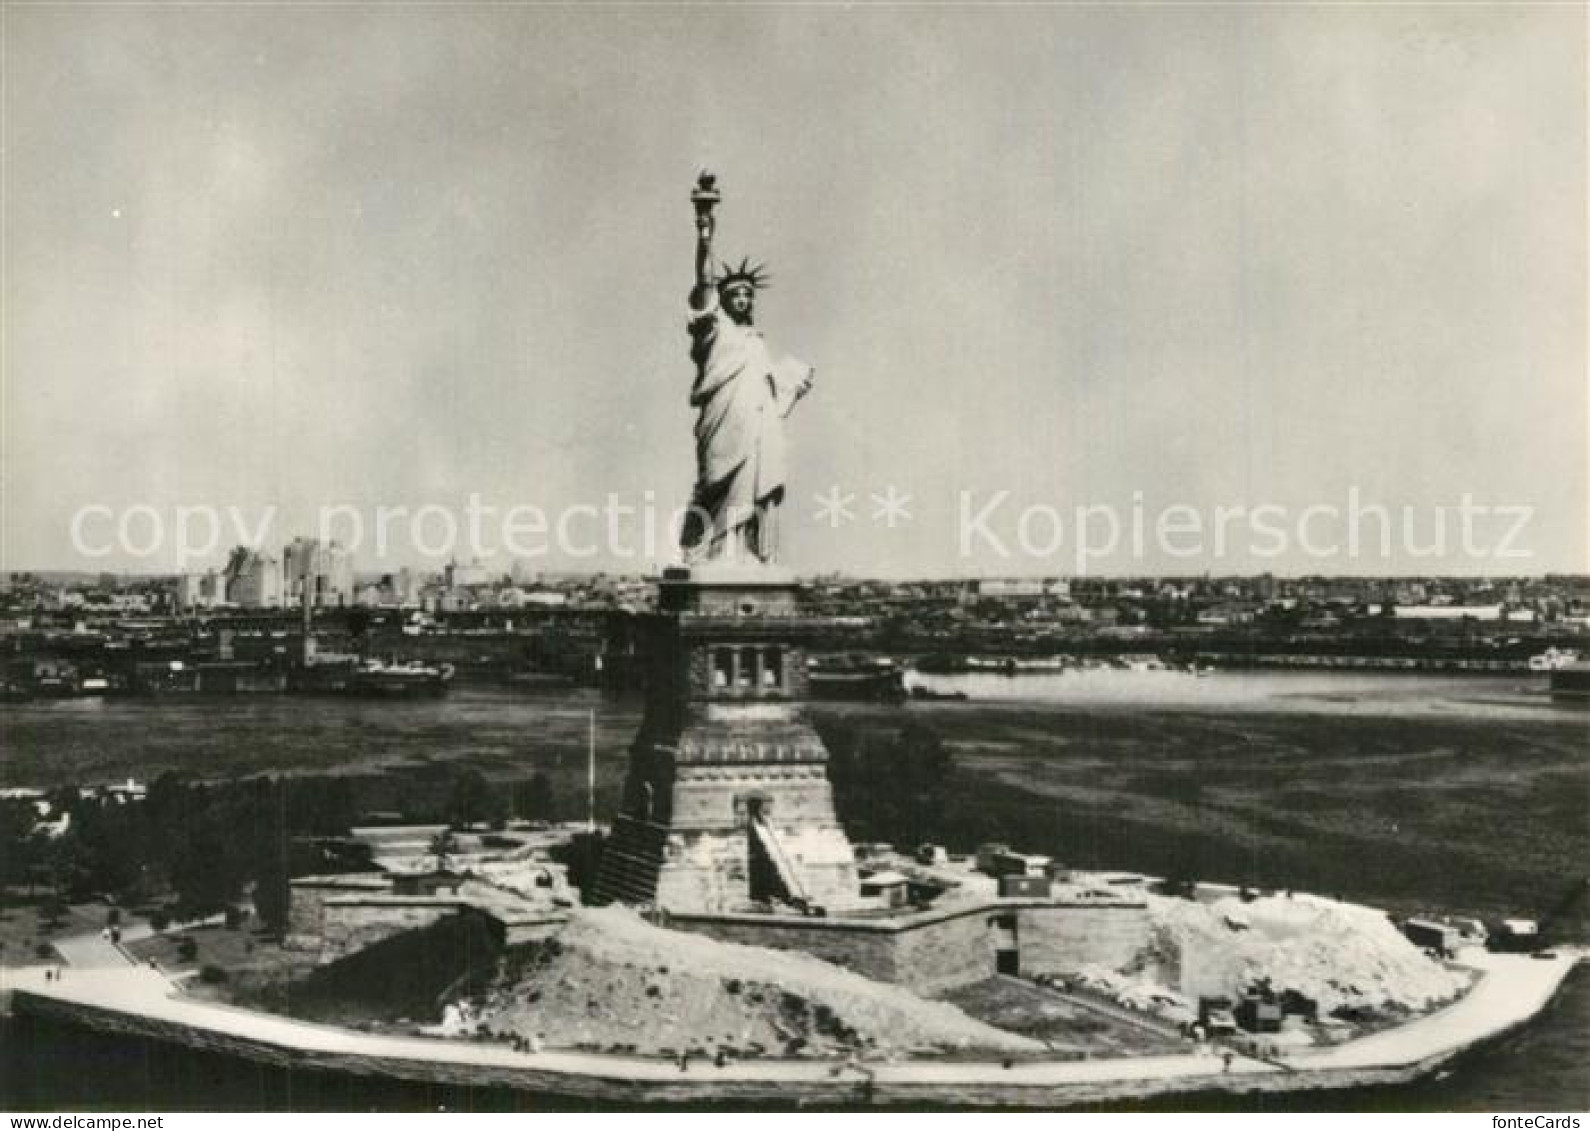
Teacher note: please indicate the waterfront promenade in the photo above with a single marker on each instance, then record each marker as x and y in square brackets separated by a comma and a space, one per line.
[1511, 989]
[104, 990]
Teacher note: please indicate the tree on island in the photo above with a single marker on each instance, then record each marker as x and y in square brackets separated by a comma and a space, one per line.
[472, 800]
[533, 798]
[893, 787]
[205, 870]
[19, 844]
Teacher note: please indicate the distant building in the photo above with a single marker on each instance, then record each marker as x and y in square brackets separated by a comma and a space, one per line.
[442, 600]
[1231, 612]
[122, 603]
[406, 589]
[1462, 612]
[200, 590]
[508, 597]
[325, 567]
[253, 580]
[467, 576]
[996, 587]
[394, 591]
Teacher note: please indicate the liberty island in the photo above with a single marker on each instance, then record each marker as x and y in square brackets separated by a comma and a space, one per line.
[729, 918]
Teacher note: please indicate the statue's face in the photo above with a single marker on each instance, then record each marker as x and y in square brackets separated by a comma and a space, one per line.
[738, 302]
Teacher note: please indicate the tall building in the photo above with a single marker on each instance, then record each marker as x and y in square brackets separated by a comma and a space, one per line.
[468, 576]
[253, 579]
[200, 590]
[325, 567]
[406, 588]
[524, 573]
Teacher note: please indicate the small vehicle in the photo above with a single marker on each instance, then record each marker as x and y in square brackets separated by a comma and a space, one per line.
[1217, 1016]
[1219, 1022]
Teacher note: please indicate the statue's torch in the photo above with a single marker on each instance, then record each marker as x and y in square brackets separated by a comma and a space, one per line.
[705, 197]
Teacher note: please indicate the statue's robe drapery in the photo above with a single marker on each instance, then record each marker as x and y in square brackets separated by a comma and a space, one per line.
[741, 396]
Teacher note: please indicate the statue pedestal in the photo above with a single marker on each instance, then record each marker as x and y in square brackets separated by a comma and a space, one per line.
[729, 589]
[727, 803]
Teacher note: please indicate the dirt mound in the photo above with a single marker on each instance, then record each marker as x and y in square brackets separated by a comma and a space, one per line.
[1340, 955]
[613, 981]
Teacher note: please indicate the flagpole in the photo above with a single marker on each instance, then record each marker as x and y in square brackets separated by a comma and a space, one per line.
[590, 778]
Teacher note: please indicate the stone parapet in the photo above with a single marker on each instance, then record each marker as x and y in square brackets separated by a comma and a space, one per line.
[938, 949]
[353, 923]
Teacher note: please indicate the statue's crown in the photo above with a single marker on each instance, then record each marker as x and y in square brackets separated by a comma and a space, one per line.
[751, 274]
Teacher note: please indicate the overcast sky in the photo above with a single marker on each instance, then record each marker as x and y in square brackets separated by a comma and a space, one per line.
[1209, 256]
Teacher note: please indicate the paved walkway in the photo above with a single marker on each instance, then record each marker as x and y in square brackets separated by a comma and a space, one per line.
[95, 951]
[148, 992]
[92, 952]
[1512, 989]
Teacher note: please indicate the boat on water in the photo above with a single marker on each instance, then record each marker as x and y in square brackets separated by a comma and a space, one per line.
[373, 678]
[1553, 659]
[1571, 681]
[1017, 665]
[923, 693]
[393, 678]
[872, 678]
[358, 673]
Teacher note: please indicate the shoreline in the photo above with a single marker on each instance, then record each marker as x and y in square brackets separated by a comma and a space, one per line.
[141, 1002]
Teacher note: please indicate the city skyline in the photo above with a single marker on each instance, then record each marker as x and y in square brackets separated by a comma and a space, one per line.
[1223, 257]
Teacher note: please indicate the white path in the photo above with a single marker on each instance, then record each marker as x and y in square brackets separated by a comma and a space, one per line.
[145, 991]
[1512, 989]
[92, 952]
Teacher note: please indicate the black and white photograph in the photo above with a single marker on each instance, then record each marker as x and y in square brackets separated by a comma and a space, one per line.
[866, 558]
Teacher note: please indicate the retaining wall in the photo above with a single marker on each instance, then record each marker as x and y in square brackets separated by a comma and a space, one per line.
[938, 950]
[621, 1086]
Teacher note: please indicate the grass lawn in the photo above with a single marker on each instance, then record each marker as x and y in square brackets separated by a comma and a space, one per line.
[1474, 815]
[1069, 1029]
[24, 928]
[251, 960]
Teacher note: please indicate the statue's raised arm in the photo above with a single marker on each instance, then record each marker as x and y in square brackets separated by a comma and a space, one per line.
[705, 197]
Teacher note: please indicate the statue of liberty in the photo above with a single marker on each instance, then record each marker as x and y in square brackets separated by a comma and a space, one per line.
[741, 396]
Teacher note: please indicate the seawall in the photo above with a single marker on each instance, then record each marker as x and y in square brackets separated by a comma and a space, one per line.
[1395, 1057]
